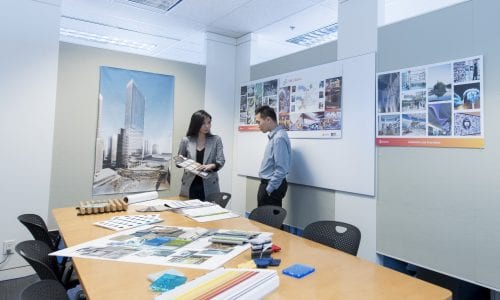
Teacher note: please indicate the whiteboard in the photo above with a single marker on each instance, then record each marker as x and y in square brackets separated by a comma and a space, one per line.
[345, 164]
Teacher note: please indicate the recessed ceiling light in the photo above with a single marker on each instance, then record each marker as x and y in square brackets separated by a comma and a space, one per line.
[103, 39]
[316, 37]
[155, 5]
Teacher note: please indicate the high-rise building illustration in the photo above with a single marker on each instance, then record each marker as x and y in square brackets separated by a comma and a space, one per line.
[112, 144]
[134, 111]
[132, 136]
[121, 158]
[147, 151]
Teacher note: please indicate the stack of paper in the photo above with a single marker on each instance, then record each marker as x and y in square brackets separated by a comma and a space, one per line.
[227, 284]
[234, 237]
[155, 205]
[176, 204]
[208, 213]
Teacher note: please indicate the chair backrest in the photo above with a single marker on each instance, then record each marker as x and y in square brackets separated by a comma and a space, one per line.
[220, 198]
[47, 289]
[338, 235]
[269, 214]
[36, 253]
[36, 225]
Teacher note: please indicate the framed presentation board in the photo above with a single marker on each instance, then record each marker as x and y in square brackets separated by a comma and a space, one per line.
[308, 102]
[346, 163]
[438, 105]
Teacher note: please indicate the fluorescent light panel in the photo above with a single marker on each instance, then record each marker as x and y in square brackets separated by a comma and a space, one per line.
[103, 39]
[161, 6]
[316, 37]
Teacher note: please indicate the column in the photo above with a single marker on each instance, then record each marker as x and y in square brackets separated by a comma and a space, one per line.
[357, 36]
[219, 98]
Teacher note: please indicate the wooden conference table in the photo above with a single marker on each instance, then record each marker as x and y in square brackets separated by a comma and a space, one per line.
[338, 275]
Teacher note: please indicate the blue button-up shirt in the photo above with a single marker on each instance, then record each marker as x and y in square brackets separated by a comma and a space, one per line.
[277, 158]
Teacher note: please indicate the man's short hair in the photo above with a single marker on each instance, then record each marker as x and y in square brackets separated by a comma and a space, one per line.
[266, 111]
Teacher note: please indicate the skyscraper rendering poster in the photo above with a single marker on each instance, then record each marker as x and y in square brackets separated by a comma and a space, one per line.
[134, 132]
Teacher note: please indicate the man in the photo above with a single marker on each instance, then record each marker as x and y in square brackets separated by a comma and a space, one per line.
[276, 161]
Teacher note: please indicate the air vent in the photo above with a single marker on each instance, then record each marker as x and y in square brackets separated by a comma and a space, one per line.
[316, 37]
[160, 6]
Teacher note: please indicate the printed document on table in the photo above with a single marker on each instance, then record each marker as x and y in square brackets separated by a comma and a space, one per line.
[187, 203]
[208, 213]
[154, 202]
[150, 205]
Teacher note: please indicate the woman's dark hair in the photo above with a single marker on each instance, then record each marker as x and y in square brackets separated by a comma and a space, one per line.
[197, 120]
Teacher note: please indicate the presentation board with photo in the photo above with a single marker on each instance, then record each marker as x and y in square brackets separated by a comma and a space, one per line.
[438, 105]
[133, 149]
[308, 102]
[343, 164]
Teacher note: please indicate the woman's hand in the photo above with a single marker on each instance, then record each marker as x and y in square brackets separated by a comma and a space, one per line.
[207, 168]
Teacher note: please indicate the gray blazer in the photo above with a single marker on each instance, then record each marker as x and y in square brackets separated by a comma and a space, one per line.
[214, 154]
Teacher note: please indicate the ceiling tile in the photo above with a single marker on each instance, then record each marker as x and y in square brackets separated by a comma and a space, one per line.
[398, 10]
[257, 14]
[206, 11]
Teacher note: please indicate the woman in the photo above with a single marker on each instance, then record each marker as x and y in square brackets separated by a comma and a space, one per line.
[205, 148]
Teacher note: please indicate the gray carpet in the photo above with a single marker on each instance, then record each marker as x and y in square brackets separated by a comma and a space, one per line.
[11, 289]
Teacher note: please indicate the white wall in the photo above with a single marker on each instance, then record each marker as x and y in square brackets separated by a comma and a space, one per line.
[28, 76]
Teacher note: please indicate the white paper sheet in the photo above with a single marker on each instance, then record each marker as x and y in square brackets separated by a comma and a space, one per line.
[208, 213]
[134, 245]
[187, 203]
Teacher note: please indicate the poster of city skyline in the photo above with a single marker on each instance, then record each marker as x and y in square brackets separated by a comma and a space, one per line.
[134, 132]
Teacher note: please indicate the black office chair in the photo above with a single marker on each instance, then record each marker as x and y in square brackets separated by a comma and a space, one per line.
[220, 198]
[47, 289]
[36, 253]
[38, 229]
[36, 225]
[269, 214]
[338, 235]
